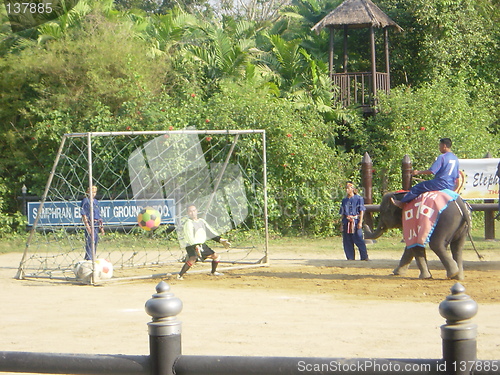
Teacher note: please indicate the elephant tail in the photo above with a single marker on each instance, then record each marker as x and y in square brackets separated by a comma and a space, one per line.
[466, 210]
[468, 215]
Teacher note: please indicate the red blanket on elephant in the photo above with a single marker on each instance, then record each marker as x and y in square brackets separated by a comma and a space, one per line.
[421, 215]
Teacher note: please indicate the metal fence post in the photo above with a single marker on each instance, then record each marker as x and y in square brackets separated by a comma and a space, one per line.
[164, 330]
[489, 216]
[459, 333]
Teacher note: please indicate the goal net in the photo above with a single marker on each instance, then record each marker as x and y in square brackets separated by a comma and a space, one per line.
[152, 176]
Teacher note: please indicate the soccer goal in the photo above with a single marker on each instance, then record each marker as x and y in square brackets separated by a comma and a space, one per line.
[150, 175]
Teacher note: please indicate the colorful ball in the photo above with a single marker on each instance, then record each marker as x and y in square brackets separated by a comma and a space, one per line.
[104, 269]
[149, 219]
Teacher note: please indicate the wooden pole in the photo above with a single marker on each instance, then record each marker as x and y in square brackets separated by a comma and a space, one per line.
[374, 64]
[387, 65]
[366, 180]
[330, 52]
[346, 34]
[406, 168]
[489, 217]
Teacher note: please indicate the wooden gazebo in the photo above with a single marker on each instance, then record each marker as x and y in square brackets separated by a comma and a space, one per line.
[358, 88]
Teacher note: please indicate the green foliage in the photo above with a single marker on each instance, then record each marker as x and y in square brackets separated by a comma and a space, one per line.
[444, 38]
[223, 52]
[10, 222]
[411, 122]
[303, 172]
[154, 65]
[79, 83]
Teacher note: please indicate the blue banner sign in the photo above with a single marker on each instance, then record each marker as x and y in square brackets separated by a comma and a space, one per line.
[113, 212]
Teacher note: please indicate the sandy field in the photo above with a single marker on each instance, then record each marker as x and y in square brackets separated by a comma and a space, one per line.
[311, 303]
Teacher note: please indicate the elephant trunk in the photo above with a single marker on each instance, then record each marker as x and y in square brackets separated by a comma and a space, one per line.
[369, 235]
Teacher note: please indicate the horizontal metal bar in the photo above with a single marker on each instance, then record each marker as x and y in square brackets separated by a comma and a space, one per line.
[484, 206]
[160, 132]
[372, 207]
[214, 365]
[56, 363]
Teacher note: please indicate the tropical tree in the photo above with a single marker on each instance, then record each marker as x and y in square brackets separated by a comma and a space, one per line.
[78, 83]
[302, 15]
[412, 120]
[296, 74]
[165, 33]
[224, 51]
[261, 12]
[69, 18]
[444, 38]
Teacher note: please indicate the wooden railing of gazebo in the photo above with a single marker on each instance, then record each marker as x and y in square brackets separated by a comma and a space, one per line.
[357, 88]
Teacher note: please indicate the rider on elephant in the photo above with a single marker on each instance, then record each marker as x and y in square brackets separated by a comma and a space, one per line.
[444, 169]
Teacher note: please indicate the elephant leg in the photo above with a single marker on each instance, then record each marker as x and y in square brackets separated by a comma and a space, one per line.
[404, 262]
[450, 265]
[456, 252]
[421, 259]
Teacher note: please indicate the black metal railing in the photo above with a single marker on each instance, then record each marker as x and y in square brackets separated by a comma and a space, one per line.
[458, 342]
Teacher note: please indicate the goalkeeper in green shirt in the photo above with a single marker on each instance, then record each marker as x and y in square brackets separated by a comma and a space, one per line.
[196, 233]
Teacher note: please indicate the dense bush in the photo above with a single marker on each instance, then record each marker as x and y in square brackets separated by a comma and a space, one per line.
[411, 122]
[108, 70]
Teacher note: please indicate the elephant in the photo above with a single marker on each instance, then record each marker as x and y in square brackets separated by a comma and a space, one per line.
[451, 229]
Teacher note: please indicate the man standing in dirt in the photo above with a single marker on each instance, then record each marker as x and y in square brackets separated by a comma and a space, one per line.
[352, 210]
[91, 229]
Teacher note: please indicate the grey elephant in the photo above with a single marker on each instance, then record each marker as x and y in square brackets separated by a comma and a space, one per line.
[451, 229]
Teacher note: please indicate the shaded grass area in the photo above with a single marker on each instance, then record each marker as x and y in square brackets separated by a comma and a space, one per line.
[391, 241]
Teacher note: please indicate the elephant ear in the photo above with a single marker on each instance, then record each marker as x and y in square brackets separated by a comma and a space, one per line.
[400, 194]
[390, 216]
[386, 200]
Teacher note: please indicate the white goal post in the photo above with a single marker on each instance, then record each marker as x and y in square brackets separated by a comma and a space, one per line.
[222, 172]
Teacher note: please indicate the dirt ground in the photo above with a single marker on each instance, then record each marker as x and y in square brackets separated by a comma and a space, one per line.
[303, 304]
[364, 280]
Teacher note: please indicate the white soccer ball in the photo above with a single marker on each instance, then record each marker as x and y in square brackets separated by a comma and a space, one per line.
[83, 270]
[103, 270]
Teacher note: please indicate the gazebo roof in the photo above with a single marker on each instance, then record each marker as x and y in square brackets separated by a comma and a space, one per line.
[356, 14]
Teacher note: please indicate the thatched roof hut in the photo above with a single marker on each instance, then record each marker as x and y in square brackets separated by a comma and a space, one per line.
[361, 87]
[356, 14]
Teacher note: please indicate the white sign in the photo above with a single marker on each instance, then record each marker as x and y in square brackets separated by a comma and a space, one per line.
[478, 179]
[113, 212]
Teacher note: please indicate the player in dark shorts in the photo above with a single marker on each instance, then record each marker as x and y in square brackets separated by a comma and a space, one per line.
[196, 233]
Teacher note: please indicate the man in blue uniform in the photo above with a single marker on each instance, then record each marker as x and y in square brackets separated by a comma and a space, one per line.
[444, 169]
[352, 210]
[91, 230]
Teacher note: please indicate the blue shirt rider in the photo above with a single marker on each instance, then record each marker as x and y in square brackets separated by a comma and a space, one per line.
[445, 171]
